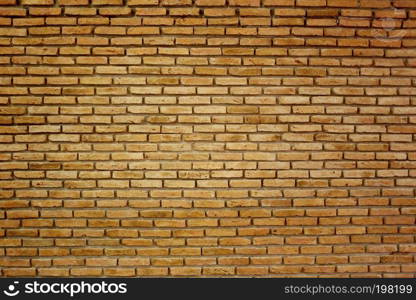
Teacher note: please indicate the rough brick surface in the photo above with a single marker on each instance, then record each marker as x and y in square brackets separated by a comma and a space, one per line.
[208, 138]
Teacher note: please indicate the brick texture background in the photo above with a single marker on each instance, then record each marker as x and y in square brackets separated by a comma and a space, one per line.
[208, 138]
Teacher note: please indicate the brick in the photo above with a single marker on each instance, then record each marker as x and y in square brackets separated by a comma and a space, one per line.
[167, 138]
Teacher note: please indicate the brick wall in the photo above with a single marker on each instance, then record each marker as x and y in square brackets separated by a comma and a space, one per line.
[208, 138]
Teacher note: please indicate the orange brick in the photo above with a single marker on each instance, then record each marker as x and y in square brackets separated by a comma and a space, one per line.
[167, 138]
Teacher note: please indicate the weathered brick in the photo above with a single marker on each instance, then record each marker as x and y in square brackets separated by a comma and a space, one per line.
[171, 130]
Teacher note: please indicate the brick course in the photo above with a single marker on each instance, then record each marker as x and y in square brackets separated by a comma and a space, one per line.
[208, 138]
